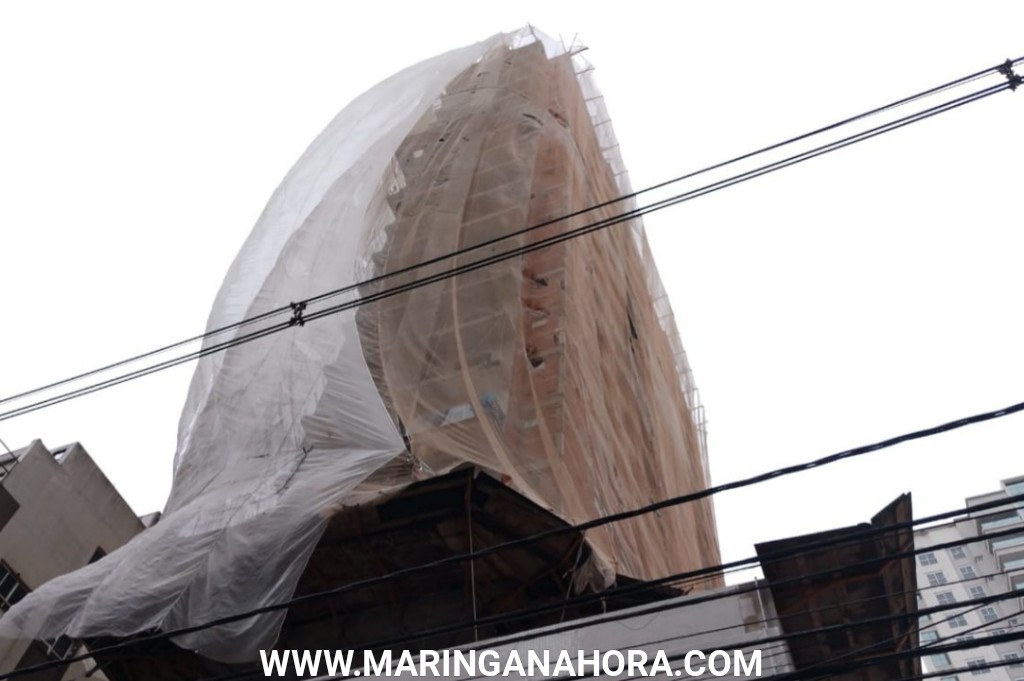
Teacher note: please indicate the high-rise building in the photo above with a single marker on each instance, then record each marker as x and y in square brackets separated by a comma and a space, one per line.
[58, 512]
[972, 570]
[558, 369]
[538, 389]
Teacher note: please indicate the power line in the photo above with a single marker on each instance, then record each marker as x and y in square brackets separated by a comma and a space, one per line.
[646, 610]
[516, 252]
[781, 644]
[503, 618]
[959, 670]
[833, 669]
[538, 245]
[631, 215]
[490, 242]
[860, 601]
[910, 654]
[517, 638]
[777, 639]
[946, 620]
[452, 560]
[781, 650]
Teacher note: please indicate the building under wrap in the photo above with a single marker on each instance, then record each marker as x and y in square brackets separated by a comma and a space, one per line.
[555, 377]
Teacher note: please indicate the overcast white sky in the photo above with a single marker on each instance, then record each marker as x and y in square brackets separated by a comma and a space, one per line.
[856, 297]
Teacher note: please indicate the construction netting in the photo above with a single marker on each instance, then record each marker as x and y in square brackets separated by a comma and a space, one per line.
[558, 370]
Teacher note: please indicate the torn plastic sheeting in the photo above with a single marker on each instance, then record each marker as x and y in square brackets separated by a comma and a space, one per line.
[248, 496]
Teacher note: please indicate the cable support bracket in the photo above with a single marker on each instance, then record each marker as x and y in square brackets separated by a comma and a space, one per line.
[1014, 78]
[297, 310]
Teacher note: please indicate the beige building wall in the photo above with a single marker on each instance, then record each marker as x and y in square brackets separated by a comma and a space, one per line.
[58, 512]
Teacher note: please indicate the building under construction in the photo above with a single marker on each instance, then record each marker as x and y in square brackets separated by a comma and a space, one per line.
[542, 386]
[551, 370]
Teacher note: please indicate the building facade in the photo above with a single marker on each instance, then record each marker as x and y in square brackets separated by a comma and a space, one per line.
[58, 512]
[978, 568]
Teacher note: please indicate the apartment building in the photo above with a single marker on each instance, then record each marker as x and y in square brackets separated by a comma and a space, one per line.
[58, 512]
[979, 568]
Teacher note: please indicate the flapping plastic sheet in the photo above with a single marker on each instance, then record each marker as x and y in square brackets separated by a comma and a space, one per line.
[250, 493]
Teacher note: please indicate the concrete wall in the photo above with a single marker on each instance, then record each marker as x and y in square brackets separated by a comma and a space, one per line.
[67, 510]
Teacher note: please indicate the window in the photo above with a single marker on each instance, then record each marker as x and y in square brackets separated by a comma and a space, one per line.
[936, 578]
[958, 622]
[12, 589]
[958, 552]
[997, 632]
[929, 637]
[945, 597]
[949, 678]
[1007, 542]
[997, 520]
[938, 661]
[977, 592]
[60, 648]
[1015, 488]
[927, 559]
[967, 572]
[1014, 562]
[965, 639]
[989, 614]
[976, 665]
[1014, 660]
[1013, 622]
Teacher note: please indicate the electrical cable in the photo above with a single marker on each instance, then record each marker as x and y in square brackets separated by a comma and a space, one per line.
[410, 268]
[167, 635]
[737, 179]
[910, 654]
[540, 244]
[746, 563]
[859, 601]
[646, 610]
[776, 619]
[803, 672]
[447, 561]
[780, 639]
[929, 625]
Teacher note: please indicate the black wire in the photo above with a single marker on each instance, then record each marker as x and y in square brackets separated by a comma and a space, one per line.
[404, 270]
[824, 668]
[538, 245]
[861, 601]
[930, 625]
[781, 650]
[504, 618]
[600, 521]
[664, 203]
[649, 610]
[167, 635]
[798, 675]
[678, 500]
[782, 638]
[958, 670]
